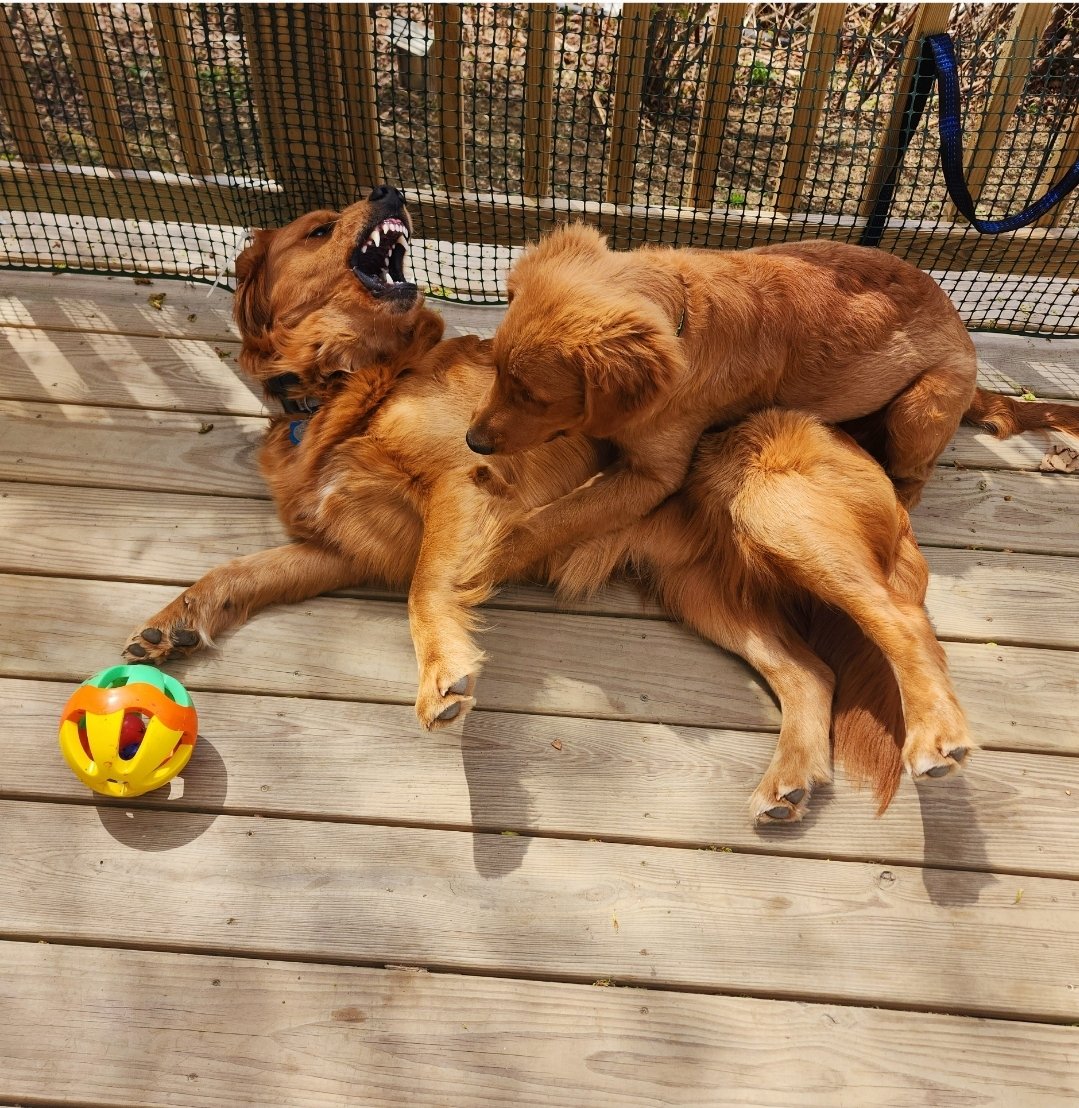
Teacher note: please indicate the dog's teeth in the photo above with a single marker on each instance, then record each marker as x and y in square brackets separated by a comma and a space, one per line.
[376, 238]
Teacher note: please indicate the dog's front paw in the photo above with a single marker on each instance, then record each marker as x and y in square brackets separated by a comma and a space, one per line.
[442, 701]
[172, 633]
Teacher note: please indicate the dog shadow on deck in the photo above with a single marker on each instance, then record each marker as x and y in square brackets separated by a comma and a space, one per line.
[953, 835]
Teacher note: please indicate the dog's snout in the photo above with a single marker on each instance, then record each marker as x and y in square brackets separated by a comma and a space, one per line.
[476, 445]
[386, 192]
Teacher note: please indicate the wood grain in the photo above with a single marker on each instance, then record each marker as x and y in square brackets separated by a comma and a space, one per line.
[816, 79]
[716, 99]
[547, 908]
[126, 371]
[176, 537]
[17, 100]
[309, 1030]
[625, 105]
[975, 595]
[78, 302]
[173, 36]
[930, 19]
[566, 665]
[647, 783]
[90, 64]
[122, 448]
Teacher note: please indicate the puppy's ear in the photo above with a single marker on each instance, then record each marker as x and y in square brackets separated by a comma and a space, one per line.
[251, 303]
[628, 370]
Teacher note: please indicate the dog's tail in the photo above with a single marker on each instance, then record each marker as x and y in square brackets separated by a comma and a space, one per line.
[1005, 416]
[868, 725]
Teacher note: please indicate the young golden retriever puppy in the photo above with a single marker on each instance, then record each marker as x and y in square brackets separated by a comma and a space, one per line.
[781, 524]
[649, 348]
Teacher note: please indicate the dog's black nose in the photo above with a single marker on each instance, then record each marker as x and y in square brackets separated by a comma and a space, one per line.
[477, 447]
[386, 192]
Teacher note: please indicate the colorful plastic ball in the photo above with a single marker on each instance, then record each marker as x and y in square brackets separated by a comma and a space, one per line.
[128, 730]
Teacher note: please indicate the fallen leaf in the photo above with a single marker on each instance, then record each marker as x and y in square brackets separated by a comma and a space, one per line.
[192, 317]
[155, 300]
[557, 744]
[142, 280]
[1018, 896]
[1060, 459]
[205, 428]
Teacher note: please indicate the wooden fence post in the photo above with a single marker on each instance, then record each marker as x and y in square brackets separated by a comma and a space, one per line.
[18, 101]
[715, 100]
[816, 79]
[90, 64]
[181, 77]
[539, 100]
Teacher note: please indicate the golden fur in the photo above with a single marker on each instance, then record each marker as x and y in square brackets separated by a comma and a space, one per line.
[780, 522]
[648, 348]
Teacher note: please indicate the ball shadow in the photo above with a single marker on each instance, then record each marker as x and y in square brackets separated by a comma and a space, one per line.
[155, 822]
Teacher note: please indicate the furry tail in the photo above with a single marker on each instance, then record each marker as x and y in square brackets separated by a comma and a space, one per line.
[868, 725]
[1005, 416]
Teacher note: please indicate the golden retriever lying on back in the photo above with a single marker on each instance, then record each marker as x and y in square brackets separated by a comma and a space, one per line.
[780, 522]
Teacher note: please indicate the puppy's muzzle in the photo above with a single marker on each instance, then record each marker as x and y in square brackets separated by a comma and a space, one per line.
[476, 444]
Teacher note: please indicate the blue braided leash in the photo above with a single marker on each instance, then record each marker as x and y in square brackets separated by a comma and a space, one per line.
[951, 151]
[937, 60]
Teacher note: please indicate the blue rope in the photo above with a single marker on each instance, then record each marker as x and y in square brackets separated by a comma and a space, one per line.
[951, 150]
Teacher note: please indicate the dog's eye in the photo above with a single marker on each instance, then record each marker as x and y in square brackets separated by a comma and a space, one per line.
[321, 232]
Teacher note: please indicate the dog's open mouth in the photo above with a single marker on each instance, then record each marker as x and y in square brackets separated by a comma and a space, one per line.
[378, 259]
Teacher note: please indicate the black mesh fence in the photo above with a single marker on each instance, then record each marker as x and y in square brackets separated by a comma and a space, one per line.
[148, 139]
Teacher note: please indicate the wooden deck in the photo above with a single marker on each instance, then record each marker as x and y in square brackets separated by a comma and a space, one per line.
[562, 902]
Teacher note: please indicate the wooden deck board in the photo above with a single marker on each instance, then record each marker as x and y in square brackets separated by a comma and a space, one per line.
[318, 822]
[647, 670]
[104, 440]
[539, 907]
[329, 1035]
[649, 783]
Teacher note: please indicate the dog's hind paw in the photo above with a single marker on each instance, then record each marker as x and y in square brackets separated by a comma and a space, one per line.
[773, 806]
[442, 703]
[931, 753]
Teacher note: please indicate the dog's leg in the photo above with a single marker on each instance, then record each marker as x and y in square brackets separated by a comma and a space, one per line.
[614, 499]
[462, 530]
[839, 568]
[802, 683]
[229, 594]
[920, 422]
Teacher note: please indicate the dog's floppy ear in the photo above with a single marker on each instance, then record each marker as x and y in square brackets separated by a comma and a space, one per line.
[251, 303]
[627, 370]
